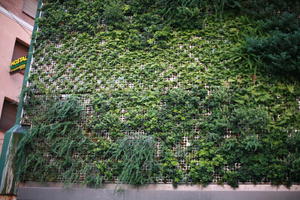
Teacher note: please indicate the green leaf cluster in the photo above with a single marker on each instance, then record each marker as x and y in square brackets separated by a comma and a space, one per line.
[279, 51]
[165, 93]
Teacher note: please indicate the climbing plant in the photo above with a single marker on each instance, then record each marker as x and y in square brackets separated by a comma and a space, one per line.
[162, 92]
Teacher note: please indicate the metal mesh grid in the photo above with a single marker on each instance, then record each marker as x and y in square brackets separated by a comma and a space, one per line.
[180, 150]
[113, 83]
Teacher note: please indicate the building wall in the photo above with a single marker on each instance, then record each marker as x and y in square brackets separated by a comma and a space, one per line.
[14, 25]
[1, 131]
[16, 7]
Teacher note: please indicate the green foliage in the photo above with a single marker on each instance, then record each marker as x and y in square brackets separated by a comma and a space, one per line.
[280, 51]
[62, 111]
[249, 120]
[56, 138]
[287, 23]
[137, 154]
[64, 18]
[170, 170]
[167, 95]
[207, 162]
[263, 8]
[113, 12]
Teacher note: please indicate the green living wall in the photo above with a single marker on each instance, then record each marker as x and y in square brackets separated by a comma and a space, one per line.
[138, 91]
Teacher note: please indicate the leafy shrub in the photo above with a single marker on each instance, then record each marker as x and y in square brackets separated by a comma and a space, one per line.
[247, 121]
[280, 51]
[113, 12]
[263, 8]
[286, 23]
[170, 167]
[207, 162]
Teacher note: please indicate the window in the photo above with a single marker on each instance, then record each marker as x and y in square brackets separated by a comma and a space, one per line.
[7, 118]
[8, 115]
[20, 50]
[30, 7]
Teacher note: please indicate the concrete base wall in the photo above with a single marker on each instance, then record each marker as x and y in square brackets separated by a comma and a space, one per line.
[157, 192]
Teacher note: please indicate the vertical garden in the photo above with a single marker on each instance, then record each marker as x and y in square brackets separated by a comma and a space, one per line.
[164, 91]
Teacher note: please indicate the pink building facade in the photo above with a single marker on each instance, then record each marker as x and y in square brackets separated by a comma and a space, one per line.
[16, 25]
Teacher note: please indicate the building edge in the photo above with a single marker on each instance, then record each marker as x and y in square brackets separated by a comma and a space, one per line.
[13, 135]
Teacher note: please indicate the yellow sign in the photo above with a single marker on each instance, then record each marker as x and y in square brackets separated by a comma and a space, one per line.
[18, 64]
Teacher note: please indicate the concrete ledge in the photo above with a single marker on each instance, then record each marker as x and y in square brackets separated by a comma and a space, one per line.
[54, 191]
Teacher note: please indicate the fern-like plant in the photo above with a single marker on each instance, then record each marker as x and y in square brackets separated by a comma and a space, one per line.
[137, 154]
[55, 133]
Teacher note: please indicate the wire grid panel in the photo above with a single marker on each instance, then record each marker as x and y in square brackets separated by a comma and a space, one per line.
[180, 150]
[64, 78]
[84, 100]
